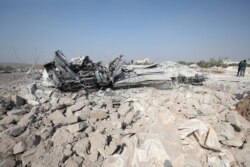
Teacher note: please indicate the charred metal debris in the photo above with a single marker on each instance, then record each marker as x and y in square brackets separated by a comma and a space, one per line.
[83, 73]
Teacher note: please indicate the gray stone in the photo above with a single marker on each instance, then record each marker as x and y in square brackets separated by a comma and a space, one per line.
[19, 148]
[77, 127]
[47, 132]
[89, 129]
[76, 107]
[58, 118]
[9, 162]
[82, 148]
[98, 115]
[83, 114]
[19, 100]
[33, 102]
[29, 97]
[44, 100]
[36, 140]
[58, 106]
[14, 131]
[6, 145]
[66, 101]
[33, 88]
[74, 161]
[234, 121]
[35, 109]
[97, 146]
[9, 120]
[67, 152]
[29, 118]
[17, 112]
[54, 100]
[70, 120]
[28, 156]
[43, 93]
[62, 136]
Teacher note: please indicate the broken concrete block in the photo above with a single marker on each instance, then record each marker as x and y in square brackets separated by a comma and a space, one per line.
[66, 101]
[74, 161]
[62, 136]
[232, 118]
[98, 115]
[44, 100]
[28, 156]
[77, 127]
[9, 120]
[58, 118]
[14, 131]
[33, 102]
[58, 106]
[76, 107]
[47, 132]
[97, 146]
[70, 120]
[17, 112]
[29, 97]
[54, 100]
[9, 162]
[27, 119]
[19, 100]
[83, 114]
[114, 160]
[43, 93]
[82, 147]
[36, 139]
[6, 145]
[33, 88]
[67, 152]
[19, 148]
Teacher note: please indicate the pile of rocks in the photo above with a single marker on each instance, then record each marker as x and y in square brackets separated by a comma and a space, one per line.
[175, 69]
[184, 126]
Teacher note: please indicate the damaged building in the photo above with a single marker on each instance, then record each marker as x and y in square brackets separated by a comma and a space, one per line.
[83, 73]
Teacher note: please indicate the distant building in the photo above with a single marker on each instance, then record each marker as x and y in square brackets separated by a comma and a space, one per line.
[142, 62]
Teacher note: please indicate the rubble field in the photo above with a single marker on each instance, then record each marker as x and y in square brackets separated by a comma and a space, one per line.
[162, 114]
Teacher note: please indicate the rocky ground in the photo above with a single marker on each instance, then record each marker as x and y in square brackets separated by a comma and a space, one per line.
[183, 126]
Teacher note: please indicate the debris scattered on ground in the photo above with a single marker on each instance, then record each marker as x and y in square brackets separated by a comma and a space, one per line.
[83, 73]
[162, 114]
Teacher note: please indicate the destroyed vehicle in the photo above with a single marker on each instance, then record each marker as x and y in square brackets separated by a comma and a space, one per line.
[83, 73]
[80, 72]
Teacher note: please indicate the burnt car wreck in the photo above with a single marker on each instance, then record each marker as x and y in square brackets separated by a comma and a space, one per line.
[83, 73]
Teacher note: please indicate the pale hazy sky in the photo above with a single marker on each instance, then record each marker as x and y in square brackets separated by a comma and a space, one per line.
[159, 29]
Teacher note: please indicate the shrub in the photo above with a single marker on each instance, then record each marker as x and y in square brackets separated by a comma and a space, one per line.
[6, 68]
[211, 63]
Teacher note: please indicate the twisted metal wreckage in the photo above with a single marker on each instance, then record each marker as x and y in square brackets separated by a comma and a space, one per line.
[84, 73]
